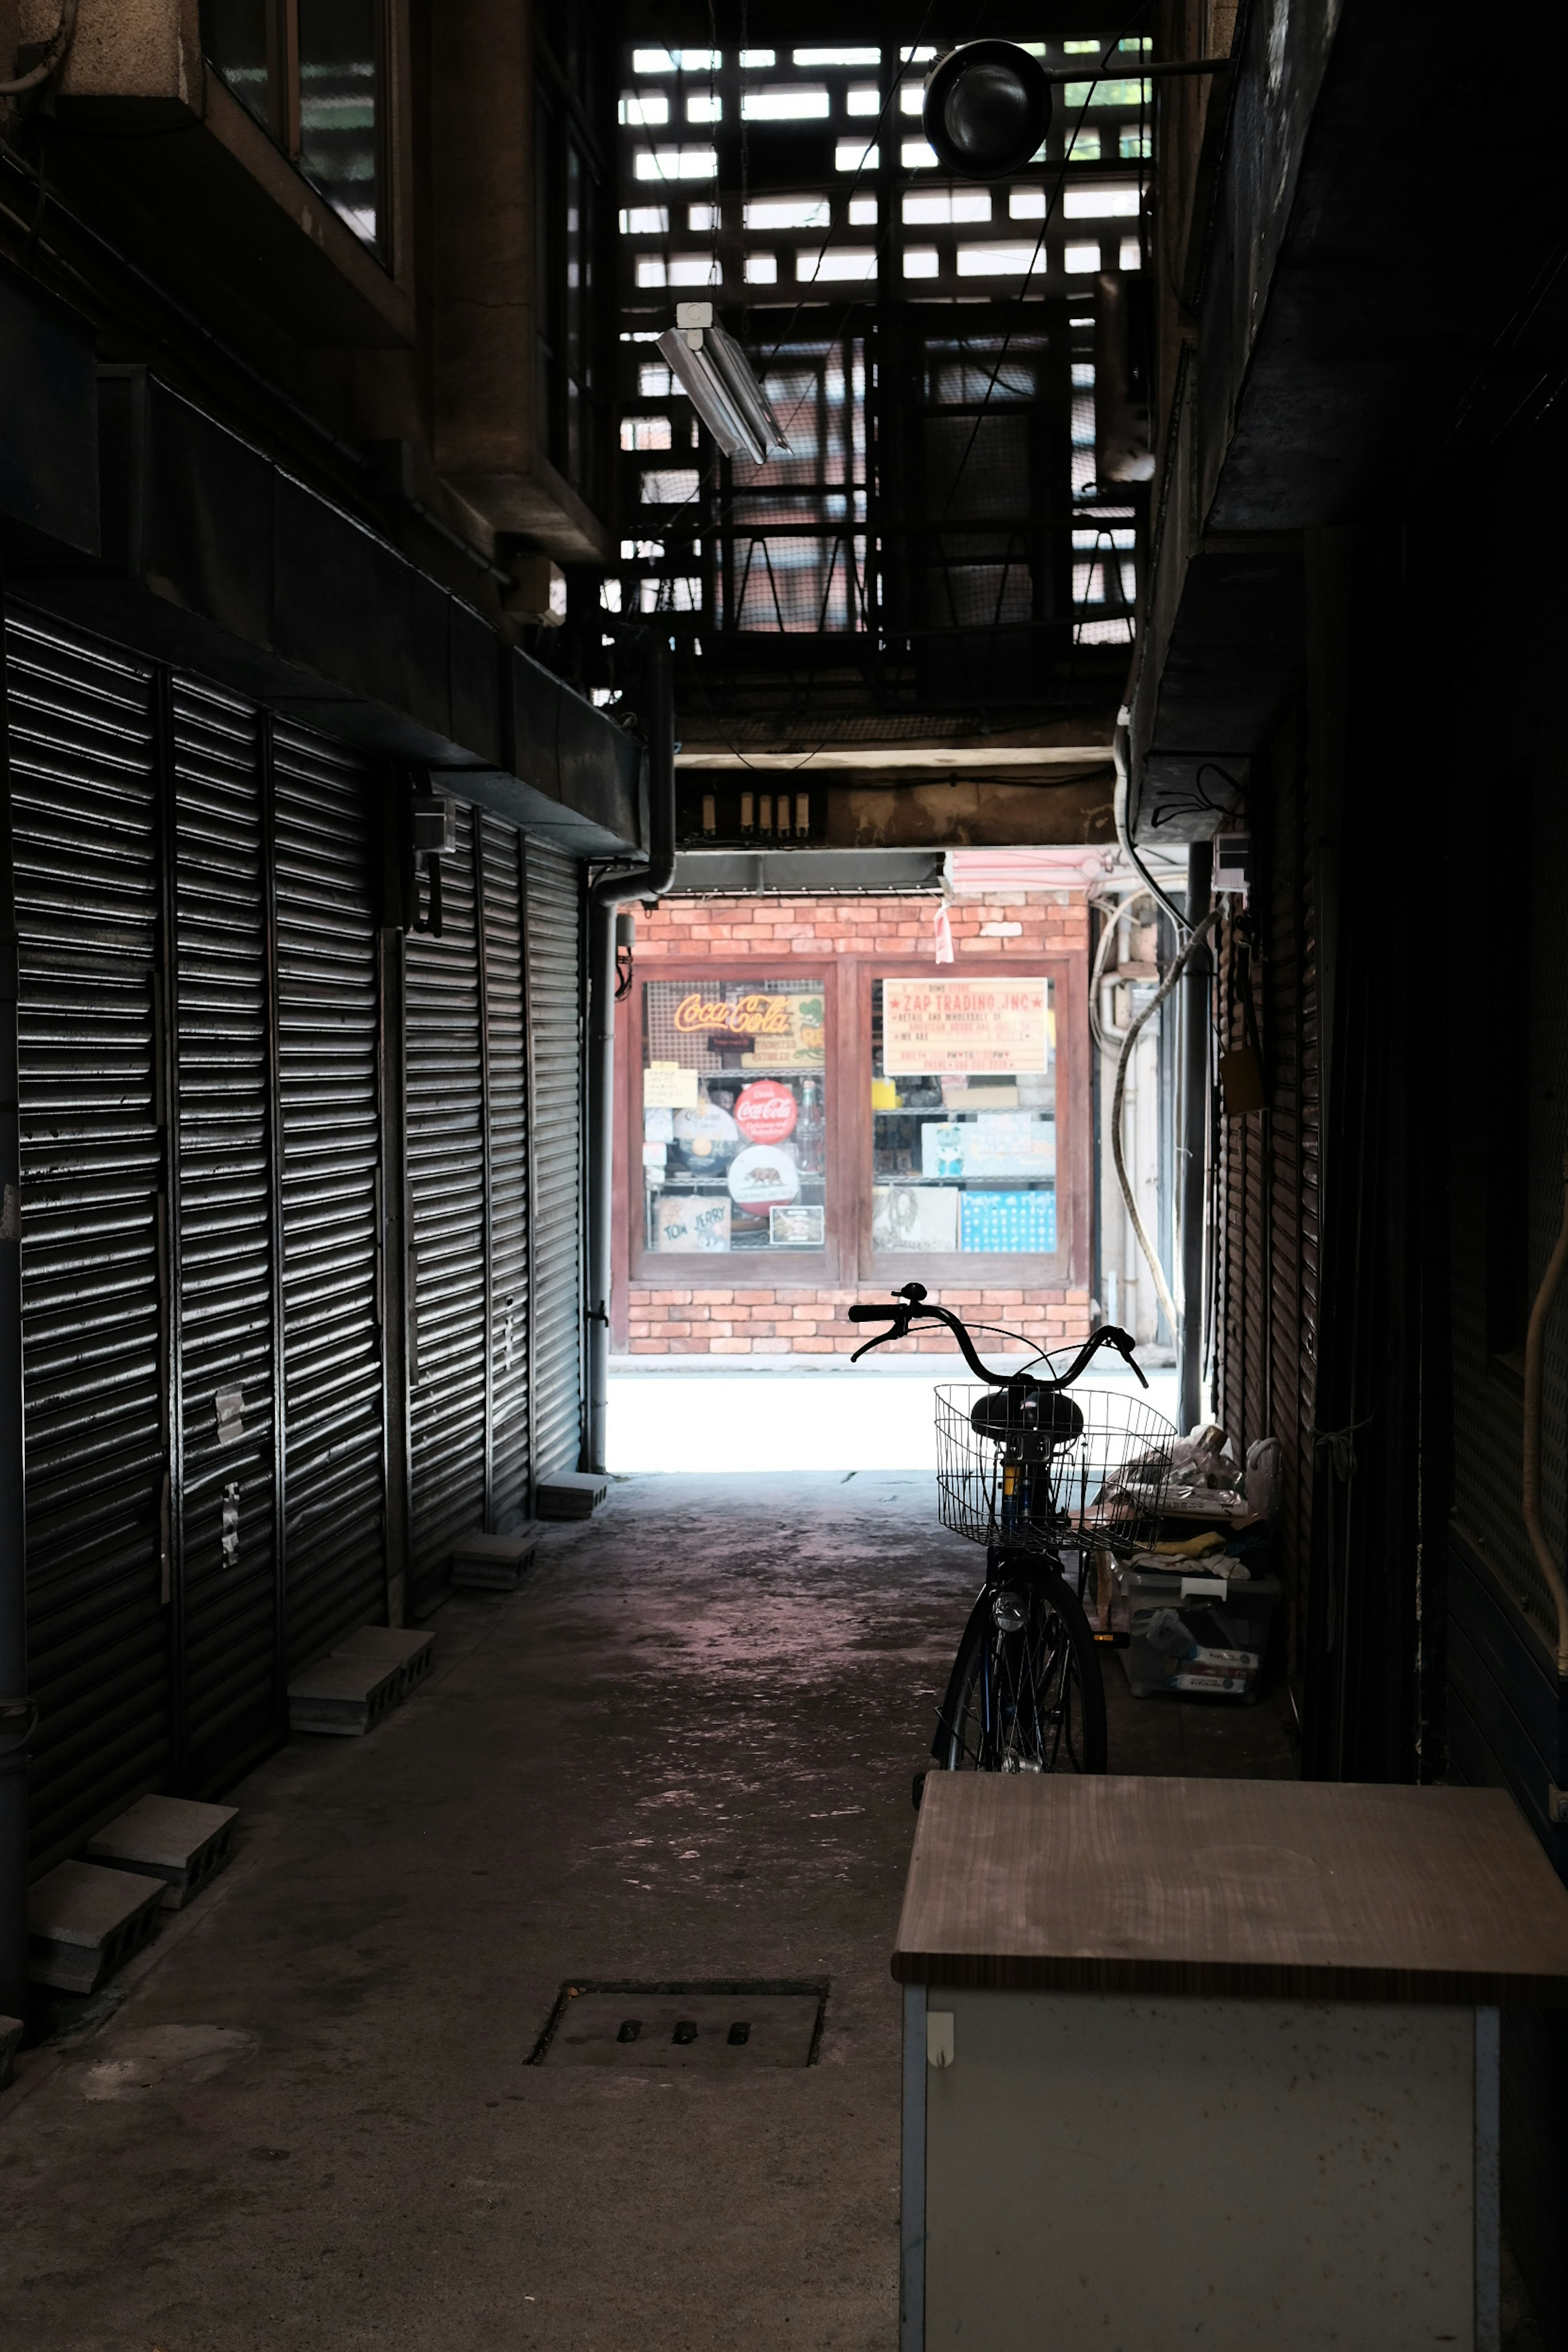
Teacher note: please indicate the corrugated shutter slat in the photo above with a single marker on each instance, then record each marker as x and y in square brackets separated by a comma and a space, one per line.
[554, 1011]
[85, 847]
[445, 1085]
[328, 1043]
[227, 1341]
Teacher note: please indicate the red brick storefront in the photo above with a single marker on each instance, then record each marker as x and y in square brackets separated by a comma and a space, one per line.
[758, 1308]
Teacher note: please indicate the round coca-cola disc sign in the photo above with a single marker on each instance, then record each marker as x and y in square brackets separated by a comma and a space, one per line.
[765, 1112]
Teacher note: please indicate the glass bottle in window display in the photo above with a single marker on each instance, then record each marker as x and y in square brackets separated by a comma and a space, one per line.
[733, 1132]
[963, 1116]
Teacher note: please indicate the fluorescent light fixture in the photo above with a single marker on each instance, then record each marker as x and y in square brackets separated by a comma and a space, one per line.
[717, 379]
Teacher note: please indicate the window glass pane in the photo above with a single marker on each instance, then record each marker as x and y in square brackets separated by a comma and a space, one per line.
[965, 1151]
[735, 1124]
[338, 95]
[234, 36]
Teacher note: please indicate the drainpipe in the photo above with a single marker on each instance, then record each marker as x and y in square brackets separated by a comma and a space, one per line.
[649, 881]
[1534, 1352]
[1195, 1140]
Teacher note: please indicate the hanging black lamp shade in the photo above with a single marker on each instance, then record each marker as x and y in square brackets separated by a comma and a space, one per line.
[987, 109]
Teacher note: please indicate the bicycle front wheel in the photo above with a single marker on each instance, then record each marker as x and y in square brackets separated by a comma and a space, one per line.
[1029, 1697]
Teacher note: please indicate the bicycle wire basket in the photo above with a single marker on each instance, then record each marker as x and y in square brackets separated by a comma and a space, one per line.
[1019, 1483]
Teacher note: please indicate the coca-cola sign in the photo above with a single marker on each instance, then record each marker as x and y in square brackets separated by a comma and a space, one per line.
[766, 1111]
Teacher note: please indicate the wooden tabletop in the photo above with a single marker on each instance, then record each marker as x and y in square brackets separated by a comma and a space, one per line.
[1281, 1889]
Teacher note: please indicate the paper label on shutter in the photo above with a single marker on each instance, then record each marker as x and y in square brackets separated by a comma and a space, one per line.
[229, 1406]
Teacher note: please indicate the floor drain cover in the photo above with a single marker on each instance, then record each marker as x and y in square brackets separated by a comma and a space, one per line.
[717, 2028]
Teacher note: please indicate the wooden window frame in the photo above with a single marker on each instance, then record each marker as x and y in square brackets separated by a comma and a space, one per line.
[993, 1269]
[829, 1268]
[847, 1261]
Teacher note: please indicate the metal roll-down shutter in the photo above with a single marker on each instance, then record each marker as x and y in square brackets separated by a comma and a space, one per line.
[328, 1031]
[554, 943]
[506, 1092]
[85, 833]
[445, 1161]
[228, 1596]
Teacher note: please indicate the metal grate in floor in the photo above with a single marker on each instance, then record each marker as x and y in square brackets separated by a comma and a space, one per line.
[718, 2028]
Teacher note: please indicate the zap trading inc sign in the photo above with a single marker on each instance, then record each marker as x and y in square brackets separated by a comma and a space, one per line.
[766, 1111]
[963, 1026]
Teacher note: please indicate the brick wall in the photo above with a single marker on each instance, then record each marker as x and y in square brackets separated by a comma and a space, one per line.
[755, 1319]
[1050, 922]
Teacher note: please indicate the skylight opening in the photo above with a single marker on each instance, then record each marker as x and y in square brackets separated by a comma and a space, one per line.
[788, 212]
[838, 57]
[916, 156]
[1001, 260]
[942, 207]
[640, 110]
[677, 60]
[1101, 204]
[786, 102]
[849, 156]
[836, 262]
[677, 164]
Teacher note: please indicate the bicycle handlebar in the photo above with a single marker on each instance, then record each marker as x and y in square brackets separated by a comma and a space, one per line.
[899, 1318]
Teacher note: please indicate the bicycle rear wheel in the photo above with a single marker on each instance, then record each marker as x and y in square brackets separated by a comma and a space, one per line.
[1029, 1699]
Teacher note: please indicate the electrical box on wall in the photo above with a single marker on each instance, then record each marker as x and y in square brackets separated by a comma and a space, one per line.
[434, 824]
[1232, 862]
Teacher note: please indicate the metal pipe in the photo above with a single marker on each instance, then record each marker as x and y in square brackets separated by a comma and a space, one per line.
[1118, 1152]
[649, 881]
[1535, 1350]
[1194, 1139]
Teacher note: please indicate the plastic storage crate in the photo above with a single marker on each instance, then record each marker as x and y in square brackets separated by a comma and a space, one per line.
[1192, 1628]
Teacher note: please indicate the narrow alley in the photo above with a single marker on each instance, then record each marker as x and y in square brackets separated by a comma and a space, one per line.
[682, 1754]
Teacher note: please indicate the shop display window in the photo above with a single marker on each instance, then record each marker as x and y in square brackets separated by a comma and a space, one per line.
[963, 1116]
[734, 1121]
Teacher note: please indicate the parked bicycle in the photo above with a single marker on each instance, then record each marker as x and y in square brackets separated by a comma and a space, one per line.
[1048, 1483]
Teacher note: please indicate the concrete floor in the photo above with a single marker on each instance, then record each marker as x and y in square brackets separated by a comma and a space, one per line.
[307, 2119]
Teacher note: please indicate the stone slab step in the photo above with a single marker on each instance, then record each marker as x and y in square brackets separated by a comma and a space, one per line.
[84, 1922]
[411, 1652]
[570, 1494]
[493, 1563]
[344, 1695]
[171, 1838]
[11, 2030]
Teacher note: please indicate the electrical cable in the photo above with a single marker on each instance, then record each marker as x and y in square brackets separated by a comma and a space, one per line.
[1118, 742]
[54, 56]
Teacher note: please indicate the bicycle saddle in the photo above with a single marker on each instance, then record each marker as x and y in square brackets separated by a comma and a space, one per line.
[1025, 1408]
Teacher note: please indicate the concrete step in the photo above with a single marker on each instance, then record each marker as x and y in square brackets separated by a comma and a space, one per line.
[11, 2030]
[411, 1652]
[344, 1695]
[171, 1838]
[570, 1494]
[85, 1922]
[493, 1563]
